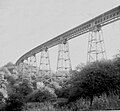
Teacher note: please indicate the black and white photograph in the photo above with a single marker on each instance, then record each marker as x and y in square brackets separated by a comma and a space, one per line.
[59, 55]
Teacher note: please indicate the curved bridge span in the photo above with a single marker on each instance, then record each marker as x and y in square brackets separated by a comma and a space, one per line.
[99, 21]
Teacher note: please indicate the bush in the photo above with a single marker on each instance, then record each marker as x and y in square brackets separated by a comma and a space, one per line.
[14, 103]
[40, 96]
[25, 88]
[22, 89]
[105, 103]
[47, 106]
[62, 93]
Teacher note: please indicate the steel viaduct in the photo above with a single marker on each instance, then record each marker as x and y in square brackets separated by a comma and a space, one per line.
[99, 21]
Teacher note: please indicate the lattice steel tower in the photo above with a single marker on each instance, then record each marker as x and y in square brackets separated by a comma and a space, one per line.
[33, 61]
[25, 72]
[33, 69]
[96, 47]
[44, 61]
[64, 62]
[29, 68]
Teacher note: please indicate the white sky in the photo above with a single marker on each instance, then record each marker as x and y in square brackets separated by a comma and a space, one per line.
[25, 24]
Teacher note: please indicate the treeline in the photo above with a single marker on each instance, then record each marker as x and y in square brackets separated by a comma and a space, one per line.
[95, 80]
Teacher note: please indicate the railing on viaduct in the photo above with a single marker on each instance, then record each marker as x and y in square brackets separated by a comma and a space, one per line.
[92, 26]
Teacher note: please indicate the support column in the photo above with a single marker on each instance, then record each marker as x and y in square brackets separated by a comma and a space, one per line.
[29, 68]
[33, 69]
[33, 61]
[96, 47]
[44, 61]
[64, 62]
[25, 73]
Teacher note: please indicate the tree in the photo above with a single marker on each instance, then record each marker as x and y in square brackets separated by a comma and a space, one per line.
[93, 80]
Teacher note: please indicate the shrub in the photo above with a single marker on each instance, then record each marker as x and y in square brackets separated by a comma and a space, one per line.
[104, 103]
[46, 106]
[14, 103]
[62, 93]
[25, 88]
[21, 89]
[10, 80]
[40, 96]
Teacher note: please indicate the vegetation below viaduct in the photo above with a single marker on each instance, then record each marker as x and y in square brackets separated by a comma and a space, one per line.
[96, 86]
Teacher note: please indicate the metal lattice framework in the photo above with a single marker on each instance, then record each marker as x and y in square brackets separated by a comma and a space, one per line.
[64, 62]
[44, 61]
[101, 20]
[96, 47]
[29, 68]
[33, 61]
[25, 72]
[33, 67]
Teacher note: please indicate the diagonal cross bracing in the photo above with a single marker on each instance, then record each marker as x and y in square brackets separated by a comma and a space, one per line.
[96, 47]
[64, 62]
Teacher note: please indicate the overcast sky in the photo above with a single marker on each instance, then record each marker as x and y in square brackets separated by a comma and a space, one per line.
[25, 24]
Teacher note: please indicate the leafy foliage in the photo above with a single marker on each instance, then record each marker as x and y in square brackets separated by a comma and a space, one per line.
[40, 96]
[87, 83]
[94, 79]
[14, 103]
